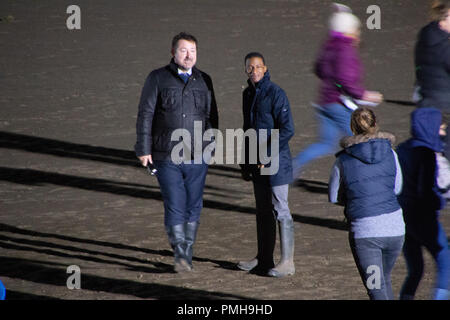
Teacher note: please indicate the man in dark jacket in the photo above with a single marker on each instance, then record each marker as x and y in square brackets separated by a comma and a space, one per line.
[432, 60]
[266, 110]
[421, 202]
[177, 96]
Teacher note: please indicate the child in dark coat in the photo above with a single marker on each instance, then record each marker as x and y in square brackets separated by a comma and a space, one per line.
[421, 202]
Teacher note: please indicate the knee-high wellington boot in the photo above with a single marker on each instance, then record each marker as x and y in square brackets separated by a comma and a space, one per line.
[176, 236]
[190, 236]
[286, 265]
[266, 237]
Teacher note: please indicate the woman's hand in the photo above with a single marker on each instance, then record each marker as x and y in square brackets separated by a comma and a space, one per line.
[373, 96]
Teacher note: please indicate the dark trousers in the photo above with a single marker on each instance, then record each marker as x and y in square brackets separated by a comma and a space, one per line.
[271, 205]
[431, 235]
[181, 187]
[375, 259]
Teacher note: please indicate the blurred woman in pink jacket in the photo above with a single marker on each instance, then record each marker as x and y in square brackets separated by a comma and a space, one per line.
[339, 68]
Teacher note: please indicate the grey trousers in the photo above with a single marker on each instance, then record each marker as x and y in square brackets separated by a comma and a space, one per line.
[272, 200]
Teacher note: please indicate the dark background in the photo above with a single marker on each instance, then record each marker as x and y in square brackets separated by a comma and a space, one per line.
[71, 189]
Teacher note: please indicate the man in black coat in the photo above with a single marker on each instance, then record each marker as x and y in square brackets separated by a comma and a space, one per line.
[178, 96]
[432, 60]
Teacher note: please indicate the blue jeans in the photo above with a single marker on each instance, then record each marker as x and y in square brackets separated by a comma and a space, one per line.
[334, 121]
[181, 187]
[430, 235]
[375, 258]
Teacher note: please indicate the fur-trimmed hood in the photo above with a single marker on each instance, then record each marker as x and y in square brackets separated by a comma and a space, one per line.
[347, 142]
[371, 148]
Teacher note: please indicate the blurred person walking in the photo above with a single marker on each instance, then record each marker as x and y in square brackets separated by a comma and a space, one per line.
[432, 61]
[340, 71]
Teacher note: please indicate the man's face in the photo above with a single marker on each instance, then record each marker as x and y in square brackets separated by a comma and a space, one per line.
[255, 69]
[445, 24]
[185, 54]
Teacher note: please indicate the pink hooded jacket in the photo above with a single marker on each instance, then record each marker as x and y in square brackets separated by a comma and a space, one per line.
[339, 68]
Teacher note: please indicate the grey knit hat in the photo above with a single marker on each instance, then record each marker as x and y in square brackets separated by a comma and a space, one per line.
[343, 20]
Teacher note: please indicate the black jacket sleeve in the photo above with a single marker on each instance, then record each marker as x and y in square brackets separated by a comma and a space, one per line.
[213, 114]
[147, 105]
[427, 185]
[283, 118]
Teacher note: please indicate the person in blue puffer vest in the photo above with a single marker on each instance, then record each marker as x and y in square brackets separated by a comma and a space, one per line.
[365, 179]
[421, 201]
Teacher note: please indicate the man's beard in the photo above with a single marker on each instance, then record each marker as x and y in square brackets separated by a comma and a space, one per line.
[185, 62]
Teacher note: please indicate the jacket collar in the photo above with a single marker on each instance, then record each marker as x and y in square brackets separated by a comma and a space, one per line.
[433, 34]
[174, 68]
[347, 142]
[369, 149]
[262, 84]
[340, 36]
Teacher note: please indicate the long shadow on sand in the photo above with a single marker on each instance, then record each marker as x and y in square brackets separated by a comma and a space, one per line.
[312, 186]
[401, 102]
[16, 295]
[23, 244]
[40, 272]
[9, 140]
[37, 177]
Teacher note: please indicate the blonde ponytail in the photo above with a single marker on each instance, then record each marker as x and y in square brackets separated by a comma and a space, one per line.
[364, 122]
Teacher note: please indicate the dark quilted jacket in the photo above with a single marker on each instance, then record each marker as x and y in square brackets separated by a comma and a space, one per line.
[167, 104]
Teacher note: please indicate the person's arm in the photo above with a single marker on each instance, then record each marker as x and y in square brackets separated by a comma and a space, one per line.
[427, 184]
[347, 73]
[147, 105]
[348, 77]
[284, 124]
[335, 190]
[212, 120]
[398, 175]
[447, 56]
[245, 167]
[283, 118]
[443, 167]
